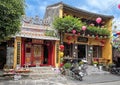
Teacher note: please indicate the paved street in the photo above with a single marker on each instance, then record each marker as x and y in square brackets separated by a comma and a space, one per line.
[94, 77]
[61, 80]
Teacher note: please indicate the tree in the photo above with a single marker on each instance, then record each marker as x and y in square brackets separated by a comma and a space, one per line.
[11, 12]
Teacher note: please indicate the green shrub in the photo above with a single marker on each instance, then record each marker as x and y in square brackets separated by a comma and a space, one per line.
[67, 65]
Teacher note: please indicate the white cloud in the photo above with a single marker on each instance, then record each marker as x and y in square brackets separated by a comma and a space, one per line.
[36, 7]
[103, 5]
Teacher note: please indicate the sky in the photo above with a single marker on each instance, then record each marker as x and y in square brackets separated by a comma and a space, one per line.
[105, 7]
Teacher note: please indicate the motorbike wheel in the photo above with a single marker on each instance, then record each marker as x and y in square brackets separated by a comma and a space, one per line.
[78, 77]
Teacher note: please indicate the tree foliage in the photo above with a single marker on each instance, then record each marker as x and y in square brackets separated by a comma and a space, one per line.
[11, 12]
[68, 23]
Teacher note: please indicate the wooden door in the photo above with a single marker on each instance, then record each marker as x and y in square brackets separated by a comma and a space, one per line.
[37, 54]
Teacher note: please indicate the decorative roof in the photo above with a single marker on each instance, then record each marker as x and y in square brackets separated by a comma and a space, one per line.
[38, 29]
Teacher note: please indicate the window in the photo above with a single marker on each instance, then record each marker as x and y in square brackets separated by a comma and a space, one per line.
[97, 51]
[68, 49]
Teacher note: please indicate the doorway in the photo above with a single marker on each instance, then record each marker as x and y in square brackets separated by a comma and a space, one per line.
[81, 51]
[45, 60]
[2, 55]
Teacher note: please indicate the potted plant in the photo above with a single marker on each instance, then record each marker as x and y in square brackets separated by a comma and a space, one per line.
[95, 63]
[67, 67]
[100, 66]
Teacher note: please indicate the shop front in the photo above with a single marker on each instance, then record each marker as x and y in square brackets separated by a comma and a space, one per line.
[81, 47]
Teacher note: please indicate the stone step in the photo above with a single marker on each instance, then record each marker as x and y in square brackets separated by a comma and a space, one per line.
[41, 72]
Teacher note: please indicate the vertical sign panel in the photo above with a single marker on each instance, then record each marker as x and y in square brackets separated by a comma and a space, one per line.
[18, 52]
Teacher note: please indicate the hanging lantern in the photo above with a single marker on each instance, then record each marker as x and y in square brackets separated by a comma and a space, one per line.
[96, 37]
[73, 31]
[98, 20]
[61, 47]
[102, 41]
[119, 6]
[78, 33]
[84, 28]
[61, 54]
[115, 35]
[69, 37]
[118, 33]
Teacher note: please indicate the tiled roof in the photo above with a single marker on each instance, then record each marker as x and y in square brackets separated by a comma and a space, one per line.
[74, 9]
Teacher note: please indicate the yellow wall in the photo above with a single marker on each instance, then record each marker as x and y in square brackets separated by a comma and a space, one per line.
[107, 50]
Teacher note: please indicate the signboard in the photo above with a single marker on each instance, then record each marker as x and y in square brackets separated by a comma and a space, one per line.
[37, 41]
[82, 39]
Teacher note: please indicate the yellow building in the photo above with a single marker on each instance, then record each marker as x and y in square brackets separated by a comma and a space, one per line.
[89, 47]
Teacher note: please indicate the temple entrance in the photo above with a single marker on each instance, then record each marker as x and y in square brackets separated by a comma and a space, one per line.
[81, 51]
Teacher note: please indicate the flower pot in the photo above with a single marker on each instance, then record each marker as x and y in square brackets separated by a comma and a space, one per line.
[100, 67]
[95, 65]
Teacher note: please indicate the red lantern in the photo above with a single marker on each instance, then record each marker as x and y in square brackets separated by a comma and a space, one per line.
[118, 33]
[78, 33]
[61, 64]
[98, 20]
[61, 47]
[96, 37]
[102, 41]
[84, 28]
[119, 6]
[69, 37]
[73, 31]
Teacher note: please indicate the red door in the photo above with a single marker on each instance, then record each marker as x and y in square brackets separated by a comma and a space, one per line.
[37, 54]
[33, 54]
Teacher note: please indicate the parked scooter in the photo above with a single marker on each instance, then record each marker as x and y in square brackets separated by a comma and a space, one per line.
[76, 72]
[114, 70]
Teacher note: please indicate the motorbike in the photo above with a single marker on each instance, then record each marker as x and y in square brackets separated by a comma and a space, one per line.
[114, 70]
[76, 72]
